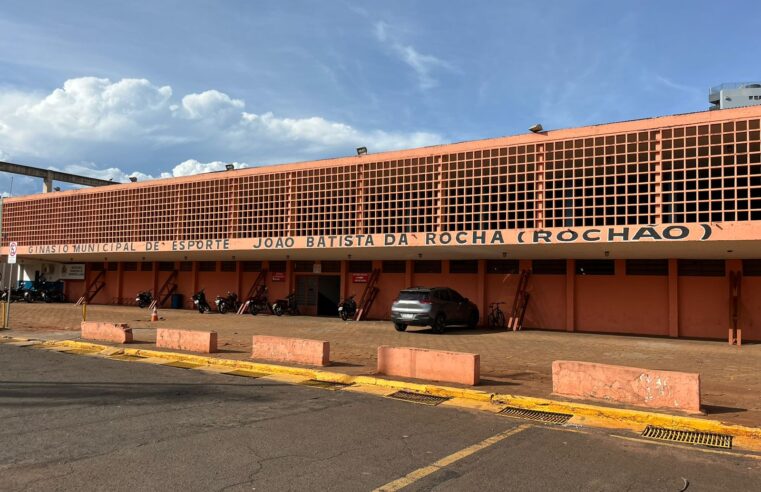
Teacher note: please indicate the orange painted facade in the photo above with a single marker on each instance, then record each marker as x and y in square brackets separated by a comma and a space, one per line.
[632, 227]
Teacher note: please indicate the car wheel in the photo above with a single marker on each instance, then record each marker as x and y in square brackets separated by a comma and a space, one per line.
[439, 324]
[400, 326]
[473, 321]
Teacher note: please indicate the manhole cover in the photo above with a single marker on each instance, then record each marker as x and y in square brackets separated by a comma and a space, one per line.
[688, 437]
[418, 397]
[329, 385]
[537, 415]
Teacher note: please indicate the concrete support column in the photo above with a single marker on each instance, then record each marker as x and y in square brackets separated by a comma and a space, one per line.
[344, 287]
[195, 277]
[155, 266]
[289, 281]
[482, 291]
[619, 269]
[570, 295]
[673, 280]
[239, 280]
[266, 266]
[409, 276]
[734, 266]
[119, 282]
[47, 183]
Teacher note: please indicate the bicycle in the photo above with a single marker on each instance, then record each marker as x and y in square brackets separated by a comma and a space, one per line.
[496, 318]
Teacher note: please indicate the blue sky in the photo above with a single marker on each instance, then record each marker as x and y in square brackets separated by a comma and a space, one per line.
[161, 88]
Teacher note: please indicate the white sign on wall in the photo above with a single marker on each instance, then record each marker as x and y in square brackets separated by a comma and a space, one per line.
[72, 271]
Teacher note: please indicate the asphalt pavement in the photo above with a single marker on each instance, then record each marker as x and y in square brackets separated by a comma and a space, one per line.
[73, 422]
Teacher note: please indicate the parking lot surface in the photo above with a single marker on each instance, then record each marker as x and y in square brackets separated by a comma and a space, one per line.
[72, 422]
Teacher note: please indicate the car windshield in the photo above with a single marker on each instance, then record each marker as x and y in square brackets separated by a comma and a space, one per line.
[413, 295]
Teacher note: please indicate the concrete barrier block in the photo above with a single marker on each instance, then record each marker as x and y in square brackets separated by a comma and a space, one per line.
[108, 332]
[192, 341]
[298, 350]
[643, 387]
[435, 365]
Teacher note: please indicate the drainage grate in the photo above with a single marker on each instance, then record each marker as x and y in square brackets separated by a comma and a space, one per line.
[329, 385]
[688, 437]
[418, 397]
[539, 416]
[246, 374]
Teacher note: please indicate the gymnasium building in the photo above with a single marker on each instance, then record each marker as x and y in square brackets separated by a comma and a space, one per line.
[647, 227]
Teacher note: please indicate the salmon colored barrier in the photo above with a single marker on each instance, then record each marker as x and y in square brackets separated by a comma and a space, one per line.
[436, 365]
[631, 385]
[298, 350]
[192, 341]
[109, 332]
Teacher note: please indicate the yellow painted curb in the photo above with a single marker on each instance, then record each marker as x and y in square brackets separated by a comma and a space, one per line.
[430, 389]
[583, 414]
[75, 344]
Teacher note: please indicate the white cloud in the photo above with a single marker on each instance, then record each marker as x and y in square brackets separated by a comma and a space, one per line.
[86, 108]
[133, 120]
[423, 65]
[191, 167]
[211, 104]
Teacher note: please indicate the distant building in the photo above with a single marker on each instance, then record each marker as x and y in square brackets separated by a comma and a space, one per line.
[735, 95]
[647, 227]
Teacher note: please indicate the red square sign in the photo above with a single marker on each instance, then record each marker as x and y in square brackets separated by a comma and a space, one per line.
[360, 278]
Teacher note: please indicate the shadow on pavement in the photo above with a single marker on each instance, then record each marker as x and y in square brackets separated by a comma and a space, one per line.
[51, 394]
[496, 382]
[451, 330]
[717, 409]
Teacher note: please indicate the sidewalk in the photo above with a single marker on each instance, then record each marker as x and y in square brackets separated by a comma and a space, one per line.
[516, 363]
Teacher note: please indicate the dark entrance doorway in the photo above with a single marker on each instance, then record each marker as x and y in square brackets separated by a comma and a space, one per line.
[318, 294]
[328, 295]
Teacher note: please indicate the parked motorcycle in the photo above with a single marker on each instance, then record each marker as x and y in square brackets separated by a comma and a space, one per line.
[16, 295]
[259, 304]
[49, 296]
[347, 308]
[227, 303]
[199, 299]
[144, 299]
[287, 305]
[45, 291]
[32, 295]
